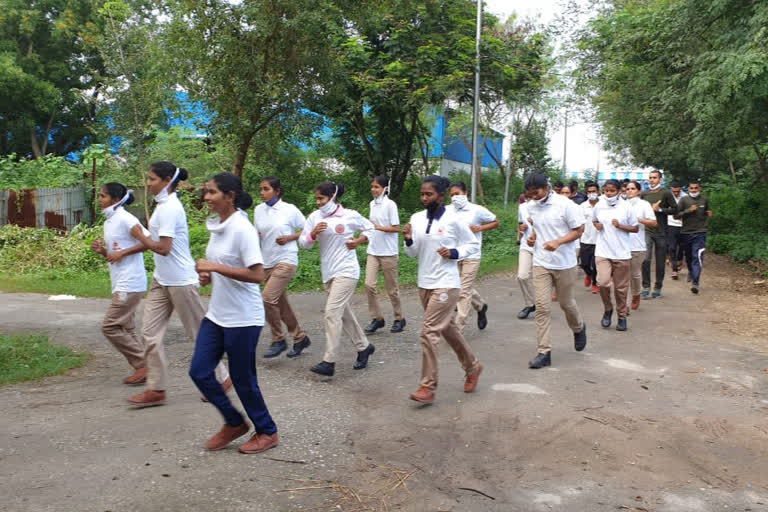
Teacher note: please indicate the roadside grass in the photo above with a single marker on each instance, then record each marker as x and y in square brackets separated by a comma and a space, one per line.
[30, 356]
[58, 282]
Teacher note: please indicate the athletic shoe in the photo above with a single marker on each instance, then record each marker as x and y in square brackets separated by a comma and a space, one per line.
[398, 325]
[225, 436]
[470, 382]
[645, 294]
[656, 293]
[635, 302]
[138, 377]
[606, 321]
[580, 339]
[595, 288]
[621, 325]
[362, 357]
[423, 395]
[298, 347]
[259, 443]
[482, 319]
[540, 361]
[275, 349]
[695, 289]
[149, 398]
[587, 281]
[374, 325]
[324, 368]
[527, 310]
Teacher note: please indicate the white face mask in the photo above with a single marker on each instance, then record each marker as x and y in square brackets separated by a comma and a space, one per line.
[165, 194]
[611, 200]
[459, 201]
[111, 210]
[593, 197]
[328, 208]
[546, 198]
[623, 196]
[694, 194]
[656, 187]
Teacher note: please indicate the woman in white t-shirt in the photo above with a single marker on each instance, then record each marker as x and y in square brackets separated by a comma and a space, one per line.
[525, 260]
[279, 225]
[645, 217]
[439, 239]
[383, 255]
[234, 264]
[614, 220]
[175, 285]
[128, 276]
[333, 227]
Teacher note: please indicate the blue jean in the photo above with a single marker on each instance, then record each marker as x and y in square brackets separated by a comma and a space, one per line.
[239, 343]
[694, 244]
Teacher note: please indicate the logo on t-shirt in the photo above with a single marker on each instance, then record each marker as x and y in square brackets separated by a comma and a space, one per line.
[440, 230]
[115, 246]
[339, 228]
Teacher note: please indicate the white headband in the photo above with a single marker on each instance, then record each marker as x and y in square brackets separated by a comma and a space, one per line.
[124, 199]
[175, 175]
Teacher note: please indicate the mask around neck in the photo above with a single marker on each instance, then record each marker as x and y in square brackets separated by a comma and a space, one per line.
[593, 197]
[546, 198]
[612, 201]
[329, 208]
[694, 194]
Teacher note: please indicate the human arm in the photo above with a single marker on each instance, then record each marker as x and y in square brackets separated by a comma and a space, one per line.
[97, 246]
[308, 235]
[297, 222]
[465, 240]
[116, 256]
[161, 246]
[252, 274]
[574, 218]
[487, 220]
[409, 241]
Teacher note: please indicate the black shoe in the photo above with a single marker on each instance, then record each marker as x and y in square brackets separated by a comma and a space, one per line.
[275, 349]
[621, 325]
[374, 325]
[324, 368]
[362, 357]
[540, 361]
[695, 289]
[606, 321]
[298, 347]
[482, 320]
[580, 339]
[398, 325]
[527, 310]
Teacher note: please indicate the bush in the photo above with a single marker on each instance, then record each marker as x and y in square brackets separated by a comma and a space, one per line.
[739, 225]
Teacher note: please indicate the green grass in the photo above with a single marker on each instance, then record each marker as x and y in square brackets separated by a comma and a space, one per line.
[30, 357]
[58, 282]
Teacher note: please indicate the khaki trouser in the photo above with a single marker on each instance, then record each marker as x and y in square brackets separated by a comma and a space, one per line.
[438, 322]
[617, 271]
[525, 277]
[161, 302]
[339, 316]
[276, 306]
[563, 281]
[388, 265]
[119, 327]
[635, 275]
[468, 296]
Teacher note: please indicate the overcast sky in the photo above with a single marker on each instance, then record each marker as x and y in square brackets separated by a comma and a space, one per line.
[583, 149]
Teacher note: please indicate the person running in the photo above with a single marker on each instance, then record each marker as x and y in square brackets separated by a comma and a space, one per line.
[694, 211]
[478, 219]
[383, 254]
[234, 265]
[645, 218]
[557, 222]
[333, 227]
[525, 262]
[439, 238]
[278, 224]
[589, 237]
[577, 196]
[128, 277]
[614, 221]
[623, 194]
[558, 186]
[175, 284]
[673, 234]
[663, 204]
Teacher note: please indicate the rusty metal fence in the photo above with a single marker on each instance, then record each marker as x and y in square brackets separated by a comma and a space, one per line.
[53, 208]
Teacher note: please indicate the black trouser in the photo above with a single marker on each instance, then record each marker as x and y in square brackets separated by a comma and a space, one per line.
[587, 261]
[674, 246]
[654, 245]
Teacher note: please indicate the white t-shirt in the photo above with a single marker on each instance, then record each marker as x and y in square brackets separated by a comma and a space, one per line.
[473, 215]
[336, 260]
[234, 243]
[128, 274]
[170, 220]
[671, 220]
[280, 219]
[522, 218]
[642, 210]
[383, 213]
[590, 232]
[448, 231]
[612, 242]
[554, 219]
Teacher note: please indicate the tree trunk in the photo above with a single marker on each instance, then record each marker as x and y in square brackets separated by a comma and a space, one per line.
[733, 171]
[33, 142]
[242, 154]
[48, 132]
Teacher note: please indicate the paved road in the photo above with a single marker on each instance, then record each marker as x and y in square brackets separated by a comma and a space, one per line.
[668, 417]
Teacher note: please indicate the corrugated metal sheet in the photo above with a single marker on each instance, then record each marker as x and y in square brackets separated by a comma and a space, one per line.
[53, 208]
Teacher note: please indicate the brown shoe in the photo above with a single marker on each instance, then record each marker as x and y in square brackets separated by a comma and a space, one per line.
[149, 398]
[227, 385]
[225, 436]
[259, 443]
[424, 395]
[139, 377]
[470, 383]
[636, 302]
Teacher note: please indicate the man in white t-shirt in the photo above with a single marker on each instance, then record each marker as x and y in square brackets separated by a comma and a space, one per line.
[589, 237]
[557, 223]
[673, 235]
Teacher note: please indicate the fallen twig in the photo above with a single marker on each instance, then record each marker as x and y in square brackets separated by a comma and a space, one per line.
[595, 419]
[286, 460]
[478, 492]
[582, 409]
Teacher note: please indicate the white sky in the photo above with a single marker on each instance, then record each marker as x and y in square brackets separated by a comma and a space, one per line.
[583, 149]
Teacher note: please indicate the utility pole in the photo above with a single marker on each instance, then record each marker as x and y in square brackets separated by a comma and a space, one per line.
[476, 106]
[565, 143]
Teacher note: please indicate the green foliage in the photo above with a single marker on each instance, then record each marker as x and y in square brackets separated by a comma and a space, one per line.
[46, 172]
[739, 226]
[31, 357]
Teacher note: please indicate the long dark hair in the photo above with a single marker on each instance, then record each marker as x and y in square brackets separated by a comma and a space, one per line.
[228, 182]
[167, 170]
[327, 188]
[275, 184]
[117, 191]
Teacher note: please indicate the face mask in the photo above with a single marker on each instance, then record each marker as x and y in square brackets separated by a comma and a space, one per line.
[330, 207]
[593, 197]
[611, 200]
[694, 194]
[459, 201]
[272, 201]
[657, 187]
[164, 194]
[544, 201]
[111, 210]
[623, 196]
